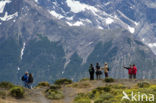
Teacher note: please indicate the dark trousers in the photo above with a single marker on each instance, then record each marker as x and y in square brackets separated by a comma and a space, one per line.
[106, 75]
[97, 76]
[98, 73]
[130, 76]
[91, 76]
[134, 76]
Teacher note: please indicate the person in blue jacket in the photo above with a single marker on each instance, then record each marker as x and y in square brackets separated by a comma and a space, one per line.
[25, 78]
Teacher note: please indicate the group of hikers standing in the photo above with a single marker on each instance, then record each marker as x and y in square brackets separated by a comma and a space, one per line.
[27, 79]
[132, 70]
[98, 71]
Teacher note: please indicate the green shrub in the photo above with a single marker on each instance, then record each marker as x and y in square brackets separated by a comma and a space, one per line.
[98, 91]
[43, 84]
[103, 89]
[100, 100]
[83, 101]
[17, 92]
[3, 93]
[84, 79]
[63, 81]
[107, 96]
[143, 85]
[6, 85]
[54, 94]
[55, 87]
[109, 80]
[118, 86]
[82, 98]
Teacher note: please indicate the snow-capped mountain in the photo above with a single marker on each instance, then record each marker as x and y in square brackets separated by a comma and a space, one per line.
[60, 38]
[136, 16]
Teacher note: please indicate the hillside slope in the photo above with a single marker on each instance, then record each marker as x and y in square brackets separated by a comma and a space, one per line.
[86, 91]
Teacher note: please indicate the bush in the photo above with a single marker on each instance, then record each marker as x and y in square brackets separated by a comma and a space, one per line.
[109, 80]
[80, 85]
[84, 79]
[102, 101]
[103, 89]
[54, 94]
[43, 84]
[99, 101]
[143, 85]
[3, 93]
[55, 87]
[82, 98]
[17, 92]
[83, 101]
[63, 81]
[118, 86]
[107, 96]
[6, 85]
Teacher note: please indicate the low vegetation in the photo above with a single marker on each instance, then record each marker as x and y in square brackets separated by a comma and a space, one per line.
[143, 85]
[82, 98]
[43, 84]
[85, 91]
[6, 85]
[80, 85]
[84, 79]
[109, 80]
[54, 92]
[17, 92]
[3, 94]
[113, 93]
[63, 81]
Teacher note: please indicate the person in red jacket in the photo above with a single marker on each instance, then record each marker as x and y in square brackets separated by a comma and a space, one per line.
[134, 71]
[129, 71]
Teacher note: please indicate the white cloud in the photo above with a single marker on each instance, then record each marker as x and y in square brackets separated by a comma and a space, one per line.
[8, 17]
[131, 29]
[76, 6]
[2, 5]
[109, 21]
[53, 13]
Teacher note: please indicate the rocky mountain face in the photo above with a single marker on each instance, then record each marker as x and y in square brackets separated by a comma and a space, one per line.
[53, 40]
[138, 17]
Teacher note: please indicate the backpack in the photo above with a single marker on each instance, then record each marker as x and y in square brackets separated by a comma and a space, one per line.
[23, 79]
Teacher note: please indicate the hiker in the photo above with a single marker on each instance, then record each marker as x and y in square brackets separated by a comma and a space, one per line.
[134, 71]
[98, 71]
[25, 79]
[106, 70]
[129, 71]
[30, 81]
[91, 71]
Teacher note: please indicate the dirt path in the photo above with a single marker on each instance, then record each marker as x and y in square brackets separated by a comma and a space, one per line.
[70, 93]
[36, 95]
